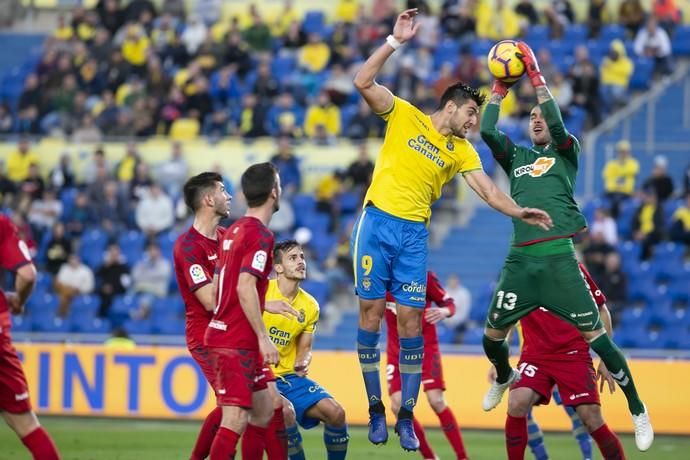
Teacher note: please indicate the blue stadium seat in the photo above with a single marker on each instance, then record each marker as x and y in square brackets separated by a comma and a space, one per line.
[681, 41]
[445, 334]
[314, 22]
[44, 283]
[322, 244]
[44, 305]
[679, 291]
[122, 306]
[317, 222]
[86, 305]
[132, 239]
[611, 32]
[21, 323]
[631, 337]
[166, 241]
[473, 336]
[68, 197]
[350, 202]
[51, 324]
[576, 34]
[169, 327]
[171, 305]
[642, 76]
[671, 206]
[304, 202]
[138, 326]
[93, 326]
[446, 51]
[481, 47]
[537, 34]
[319, 290]
[347, 112]
[663, 316]
[92, 247]
[635, 316]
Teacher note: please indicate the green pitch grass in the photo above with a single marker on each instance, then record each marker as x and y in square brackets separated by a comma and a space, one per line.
[108, 439]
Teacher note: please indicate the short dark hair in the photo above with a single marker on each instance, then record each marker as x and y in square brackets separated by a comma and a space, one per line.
[281, 248]
[258, 182]
[197, 186]
[460, 93]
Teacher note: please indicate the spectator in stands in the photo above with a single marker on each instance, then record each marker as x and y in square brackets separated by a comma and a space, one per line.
[6, 119]
[686, 182]
[458, 20]
[619, 176]
[631, 15]
[174, 172]
[288, 165]
[113, 278]
[359, 172]
[325, 114]
[90, 173]
[497, 21]
[266, 85]
[258, 34]
[139, 185]
[616, 71]
[648, 223]
[548, 68]
[154, 212]
[58, 249]
[135, 48]
[603, 223]
[680, 223]
[237, 54]
[127, 166]
[8, 189]
[194, 34]
[446, 77]
[44, 212]
[30, 105]
[78, 216]
[152, 274]
[120, 340]
[364, 123]
[667, 13]
[327, 192]
[19, 161]
[111, 15]
[252, 116]
[653, 42]
[62, 175]
[559, 15]
[406, 79]
[595, 253]
[314, 55]
[199, 103]
[428, 34]
[528, 12]
[614, 282]
[208, 10]
[469, 67]
[339, 86]
[562, 92]
[586, 84]
[112, 210]
[597, 16]
[463, 302]
[87, 132]
[34, 185]
[74, 278]
[660, 182]
[101, 48]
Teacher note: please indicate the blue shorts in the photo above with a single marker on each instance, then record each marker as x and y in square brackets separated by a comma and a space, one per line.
[389, 254]
[303, 393]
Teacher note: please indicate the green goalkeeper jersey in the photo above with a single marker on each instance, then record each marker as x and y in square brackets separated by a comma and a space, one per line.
[540, 176]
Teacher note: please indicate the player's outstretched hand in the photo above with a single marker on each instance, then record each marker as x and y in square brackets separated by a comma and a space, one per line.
[534, 216]
[603, 375]
[268, 350]
[13, 303]
[526, 55]
[405, 27]
[434, 315]
[280, 307]
[501, 87]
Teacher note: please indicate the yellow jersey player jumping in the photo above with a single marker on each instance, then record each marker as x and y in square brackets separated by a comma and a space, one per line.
[294, 337]
[420, 153]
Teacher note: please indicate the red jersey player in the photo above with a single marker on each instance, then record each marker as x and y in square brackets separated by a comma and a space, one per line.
[432, 369]
[194, 258]
[236, 338]
[14, 392]
[554, 353]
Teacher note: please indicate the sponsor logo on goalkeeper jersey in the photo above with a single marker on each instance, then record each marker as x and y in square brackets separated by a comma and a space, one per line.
[422, 145]
[537, 169]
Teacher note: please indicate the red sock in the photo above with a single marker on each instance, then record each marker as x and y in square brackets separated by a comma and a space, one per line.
[207, 433]
[516, 437]
[224, 444]
[41, 445]
[276, 438]
[609, 444]
[253, 443]
[424, 447]
[452, 431]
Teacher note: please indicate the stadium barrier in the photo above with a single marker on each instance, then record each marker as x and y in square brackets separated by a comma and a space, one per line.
[165, 383]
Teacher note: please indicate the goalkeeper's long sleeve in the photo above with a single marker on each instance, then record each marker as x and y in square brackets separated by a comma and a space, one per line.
[502, 148]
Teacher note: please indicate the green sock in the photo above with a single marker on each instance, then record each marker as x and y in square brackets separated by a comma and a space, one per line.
[615, 362]
[497, 351]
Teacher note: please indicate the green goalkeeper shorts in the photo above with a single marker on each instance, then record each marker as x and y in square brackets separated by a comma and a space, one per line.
[553, 282]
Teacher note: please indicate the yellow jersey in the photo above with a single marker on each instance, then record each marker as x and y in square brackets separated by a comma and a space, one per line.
[415, 162]
[285, 331]
[619, 176]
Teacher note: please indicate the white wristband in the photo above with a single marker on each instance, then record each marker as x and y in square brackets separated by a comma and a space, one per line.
[395, 44]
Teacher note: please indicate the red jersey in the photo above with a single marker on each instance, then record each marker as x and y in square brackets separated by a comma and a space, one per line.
[546, 335]
[246, 247]
[435, 294]
[14, 253]
[194, 258]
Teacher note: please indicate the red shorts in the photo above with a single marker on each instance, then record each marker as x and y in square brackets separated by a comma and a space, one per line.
[14, 392]
[203, 359]
[432, 369]
[237, 374]
[576, 380]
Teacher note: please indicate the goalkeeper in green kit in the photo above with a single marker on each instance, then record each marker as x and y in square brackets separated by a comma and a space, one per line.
[541, 269]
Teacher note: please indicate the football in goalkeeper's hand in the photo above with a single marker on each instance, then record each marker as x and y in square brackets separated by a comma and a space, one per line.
[504, 64]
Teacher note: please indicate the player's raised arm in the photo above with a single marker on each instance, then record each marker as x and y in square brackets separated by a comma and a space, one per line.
[494, 197]
[249, 300]
[378, 97]
[502, 148]
[561, 138]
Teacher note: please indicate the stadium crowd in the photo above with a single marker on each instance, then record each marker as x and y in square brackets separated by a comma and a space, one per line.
[137, 71]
